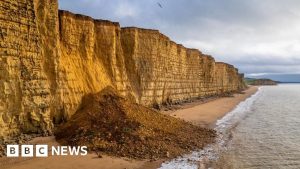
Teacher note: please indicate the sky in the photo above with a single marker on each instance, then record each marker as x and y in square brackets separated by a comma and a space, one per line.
[259, 37]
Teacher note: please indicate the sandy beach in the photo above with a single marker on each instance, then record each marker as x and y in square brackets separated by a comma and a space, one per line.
[208, 113]
[204, 114]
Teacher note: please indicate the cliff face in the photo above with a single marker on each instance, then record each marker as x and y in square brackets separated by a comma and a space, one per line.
[49, 60]
[91, 59]
[161, 71]
[25, 95]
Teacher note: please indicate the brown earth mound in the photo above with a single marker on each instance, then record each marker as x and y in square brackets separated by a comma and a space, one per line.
[113, 125]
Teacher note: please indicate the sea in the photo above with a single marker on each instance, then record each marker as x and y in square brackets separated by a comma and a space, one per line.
[262, 132]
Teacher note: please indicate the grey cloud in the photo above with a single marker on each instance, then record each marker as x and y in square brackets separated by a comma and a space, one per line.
[257, 36]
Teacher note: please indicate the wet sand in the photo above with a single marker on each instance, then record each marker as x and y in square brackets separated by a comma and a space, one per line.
[204, 114]
[208, 113]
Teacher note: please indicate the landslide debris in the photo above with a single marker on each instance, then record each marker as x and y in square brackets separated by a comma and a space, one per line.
[112, 125]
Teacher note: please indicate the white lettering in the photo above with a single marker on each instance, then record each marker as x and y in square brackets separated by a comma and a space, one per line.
[55, 151]
[74, 150]
[27, 150]
[64, 150]
[12, 150]
[83, 150]
[41, 150]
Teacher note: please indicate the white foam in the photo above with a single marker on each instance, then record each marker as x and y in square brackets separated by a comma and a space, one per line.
[240, 110]
[198, 158]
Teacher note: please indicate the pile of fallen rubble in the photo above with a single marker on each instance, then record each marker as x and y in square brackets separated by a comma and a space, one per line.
[110, 124]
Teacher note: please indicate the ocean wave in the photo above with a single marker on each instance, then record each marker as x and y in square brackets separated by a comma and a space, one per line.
[200, 159]
[238, 112]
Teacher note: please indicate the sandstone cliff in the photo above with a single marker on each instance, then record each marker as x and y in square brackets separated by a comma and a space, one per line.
[50, 59]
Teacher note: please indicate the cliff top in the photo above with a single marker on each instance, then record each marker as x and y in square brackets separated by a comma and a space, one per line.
[84, 17]
[133, 28]
[209, 57]
[225, 64]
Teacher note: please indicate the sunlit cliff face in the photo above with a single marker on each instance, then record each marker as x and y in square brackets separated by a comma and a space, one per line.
[50, 60]
[256, 36]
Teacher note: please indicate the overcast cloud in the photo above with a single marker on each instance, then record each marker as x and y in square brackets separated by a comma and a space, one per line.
[257, 36]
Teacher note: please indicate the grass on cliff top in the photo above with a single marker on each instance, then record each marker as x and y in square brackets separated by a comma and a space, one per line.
[113, 125]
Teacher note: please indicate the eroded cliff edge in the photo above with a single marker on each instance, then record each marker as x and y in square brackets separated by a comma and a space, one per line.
[50, 59]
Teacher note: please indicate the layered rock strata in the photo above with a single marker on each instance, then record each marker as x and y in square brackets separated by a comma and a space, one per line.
[50, 59]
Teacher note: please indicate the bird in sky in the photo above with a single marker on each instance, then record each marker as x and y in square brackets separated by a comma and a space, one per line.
[159, 5]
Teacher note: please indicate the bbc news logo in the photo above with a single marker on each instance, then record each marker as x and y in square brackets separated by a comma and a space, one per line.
[43, 150]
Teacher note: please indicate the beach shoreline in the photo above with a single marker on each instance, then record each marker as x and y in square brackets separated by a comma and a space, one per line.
[200, 113]
[206, 114]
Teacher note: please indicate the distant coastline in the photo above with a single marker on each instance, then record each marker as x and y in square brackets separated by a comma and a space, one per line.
[260, 82]
[288, 82]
